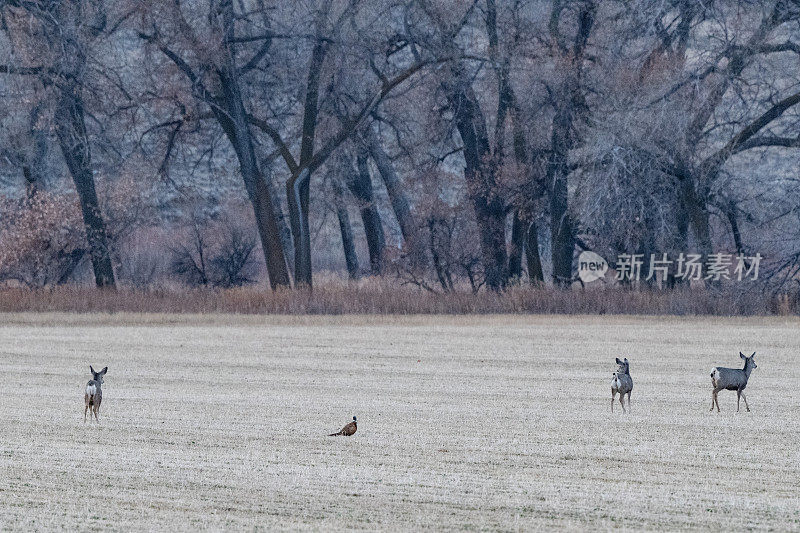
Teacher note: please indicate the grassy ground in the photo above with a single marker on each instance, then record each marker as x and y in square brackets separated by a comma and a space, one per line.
[464, 423]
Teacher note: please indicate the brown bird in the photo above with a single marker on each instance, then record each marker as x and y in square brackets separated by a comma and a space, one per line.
[347, 430]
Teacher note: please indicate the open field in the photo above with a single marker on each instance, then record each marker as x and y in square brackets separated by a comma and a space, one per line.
[487, 423]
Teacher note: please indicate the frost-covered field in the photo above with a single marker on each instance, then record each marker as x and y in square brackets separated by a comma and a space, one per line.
[464, 423]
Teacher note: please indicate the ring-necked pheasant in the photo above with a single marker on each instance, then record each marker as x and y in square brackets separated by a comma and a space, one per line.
[347, 430]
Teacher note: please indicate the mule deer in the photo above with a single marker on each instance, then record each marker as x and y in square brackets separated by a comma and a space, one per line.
[94, 394]
[732, 379]
[621, 383]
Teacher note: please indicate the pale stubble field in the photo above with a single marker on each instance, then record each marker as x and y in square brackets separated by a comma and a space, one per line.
[476, 423]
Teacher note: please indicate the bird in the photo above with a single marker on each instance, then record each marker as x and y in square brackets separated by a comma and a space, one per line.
[347, 430]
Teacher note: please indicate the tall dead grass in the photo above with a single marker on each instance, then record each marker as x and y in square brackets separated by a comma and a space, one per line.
[335, 298]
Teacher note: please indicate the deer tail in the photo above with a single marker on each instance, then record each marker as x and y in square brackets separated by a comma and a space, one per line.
[91, 390]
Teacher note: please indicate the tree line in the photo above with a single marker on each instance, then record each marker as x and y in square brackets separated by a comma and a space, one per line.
[479, 143]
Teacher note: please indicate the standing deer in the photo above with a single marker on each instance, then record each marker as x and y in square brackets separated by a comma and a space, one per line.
[622, 384]
[732, 379]
[94, 394]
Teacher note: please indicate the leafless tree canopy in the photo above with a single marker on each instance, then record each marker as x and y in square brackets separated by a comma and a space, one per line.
[449, 144]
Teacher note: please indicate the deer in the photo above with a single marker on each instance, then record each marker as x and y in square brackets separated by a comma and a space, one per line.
[621, 383]
[93, 395]
[732, 379]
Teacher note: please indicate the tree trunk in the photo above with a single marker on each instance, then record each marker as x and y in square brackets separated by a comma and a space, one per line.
[360, 184]
[697, 212]
[34, 167]
[298, 188]
[297, 193]
[535, 274]
[681, 241]
[442, 273]
[490, 216]
[730, 213]
[562, 238]
[31, 184]
[482, 188]
[569, 107]
[74, 143]
[235, 125]
[281, 217]
[517, 247]
[527, 232]
[397, 196]
[268, 230]
[348, 243]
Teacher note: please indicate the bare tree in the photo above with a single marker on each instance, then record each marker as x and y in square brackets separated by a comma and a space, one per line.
[346, 229]
[501, 136]
[359, 183]
[569, 104]
[218, 64]
[62, 34]
[327, 22]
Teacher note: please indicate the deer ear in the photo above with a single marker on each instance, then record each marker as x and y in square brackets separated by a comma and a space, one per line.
[618, 361]
[754, 354]
[743, 356]
[103, 372]
[92, 369]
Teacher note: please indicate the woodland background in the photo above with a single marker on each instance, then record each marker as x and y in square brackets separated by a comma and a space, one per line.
[444, 146]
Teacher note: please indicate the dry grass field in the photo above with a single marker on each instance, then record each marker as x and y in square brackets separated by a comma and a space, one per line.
[465, 423]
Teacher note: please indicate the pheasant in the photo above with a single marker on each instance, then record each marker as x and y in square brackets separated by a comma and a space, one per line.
[347, 430]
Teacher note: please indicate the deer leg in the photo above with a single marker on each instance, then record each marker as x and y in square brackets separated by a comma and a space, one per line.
[745, 402]
[95, 414]
[621, 396]
[713, 395]
[629, 402]
[85, 409]
[715, 399]
[613, 397]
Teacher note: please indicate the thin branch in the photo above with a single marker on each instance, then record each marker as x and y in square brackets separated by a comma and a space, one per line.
[787, 46]
[23, 71]
[351, 124]
[276, 138]
[767, 141]
[257, 57]
[750, 130]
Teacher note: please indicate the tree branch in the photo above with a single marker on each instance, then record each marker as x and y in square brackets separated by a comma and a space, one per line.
[257, 57]
[276, 138]
[787, 46]
[749, 131]
[351, 124]
[23, 71]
